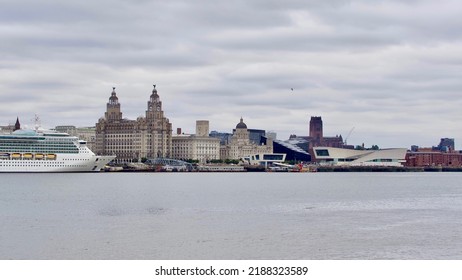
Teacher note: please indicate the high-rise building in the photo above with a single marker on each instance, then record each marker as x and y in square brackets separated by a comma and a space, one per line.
[132, 140]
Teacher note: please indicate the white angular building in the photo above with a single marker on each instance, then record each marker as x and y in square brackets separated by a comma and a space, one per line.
[199, 147]
[349, 157]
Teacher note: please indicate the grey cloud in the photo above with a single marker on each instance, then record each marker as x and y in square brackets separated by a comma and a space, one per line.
[382, 66]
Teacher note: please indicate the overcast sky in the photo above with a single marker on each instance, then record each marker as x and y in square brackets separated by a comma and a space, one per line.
[390, 69]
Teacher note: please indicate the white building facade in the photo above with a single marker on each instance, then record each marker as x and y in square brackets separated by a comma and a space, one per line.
[199, 147]
[348, 157]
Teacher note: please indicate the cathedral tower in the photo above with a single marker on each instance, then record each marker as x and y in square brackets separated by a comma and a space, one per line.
[316, 129]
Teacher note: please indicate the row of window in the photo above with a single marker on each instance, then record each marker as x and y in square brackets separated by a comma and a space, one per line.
[9, 144]
[31, 150]
[197, 148]
[47, 142]
[40, 165]
[121, 136]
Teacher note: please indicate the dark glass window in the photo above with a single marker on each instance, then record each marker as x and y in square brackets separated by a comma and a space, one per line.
[272, 157]
[322, 153]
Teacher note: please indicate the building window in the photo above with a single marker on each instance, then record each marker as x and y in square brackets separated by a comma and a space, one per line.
[322, 153]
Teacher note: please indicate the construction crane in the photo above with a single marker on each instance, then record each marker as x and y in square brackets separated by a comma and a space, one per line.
[348, 135]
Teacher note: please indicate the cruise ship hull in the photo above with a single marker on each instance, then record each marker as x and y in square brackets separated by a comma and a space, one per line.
[31, 151]
[62, 163]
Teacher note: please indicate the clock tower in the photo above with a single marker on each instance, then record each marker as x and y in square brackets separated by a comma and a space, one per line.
[113, 112]
[154, 111]
[129, 140]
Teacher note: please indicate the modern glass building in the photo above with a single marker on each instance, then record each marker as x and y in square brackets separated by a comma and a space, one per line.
[292, 152]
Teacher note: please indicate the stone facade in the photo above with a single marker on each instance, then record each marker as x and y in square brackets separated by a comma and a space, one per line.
[199, 147]
[87, 134]
[132, 140]
[241, 145]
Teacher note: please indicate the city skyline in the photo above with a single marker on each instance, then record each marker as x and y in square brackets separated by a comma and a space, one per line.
[389, 69]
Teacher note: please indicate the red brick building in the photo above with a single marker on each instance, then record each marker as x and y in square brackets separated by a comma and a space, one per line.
[424, 157]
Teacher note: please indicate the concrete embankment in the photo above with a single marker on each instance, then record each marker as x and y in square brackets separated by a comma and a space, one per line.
[387, 169]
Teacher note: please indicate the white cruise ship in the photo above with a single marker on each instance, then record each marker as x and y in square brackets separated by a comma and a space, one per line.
[35, 151]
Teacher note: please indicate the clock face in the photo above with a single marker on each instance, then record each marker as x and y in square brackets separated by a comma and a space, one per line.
[158, 108]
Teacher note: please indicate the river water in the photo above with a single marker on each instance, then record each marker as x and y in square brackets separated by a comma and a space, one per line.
[231, 216]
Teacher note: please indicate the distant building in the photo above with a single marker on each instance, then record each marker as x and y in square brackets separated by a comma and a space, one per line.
[316, 136]
[202, 128]
[200, 146]
[255, 135]
[7, 129]
[423, 158]
[299, 142]
[265, 160]
[241, 146]
[446, 145]
[414, 148]
[224, 137]
[132, 140]
[84, 133]
[271, 135]
[69, 129]
[349, 157]
[293, 152]
[443, 155]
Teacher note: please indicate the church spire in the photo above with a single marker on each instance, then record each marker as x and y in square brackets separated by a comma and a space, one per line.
[17, 125]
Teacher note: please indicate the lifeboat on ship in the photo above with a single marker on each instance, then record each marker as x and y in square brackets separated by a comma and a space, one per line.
[16, 155]
[51, 156]
[28, 156]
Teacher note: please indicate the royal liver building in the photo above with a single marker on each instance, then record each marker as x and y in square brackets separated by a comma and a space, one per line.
[133, 140]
